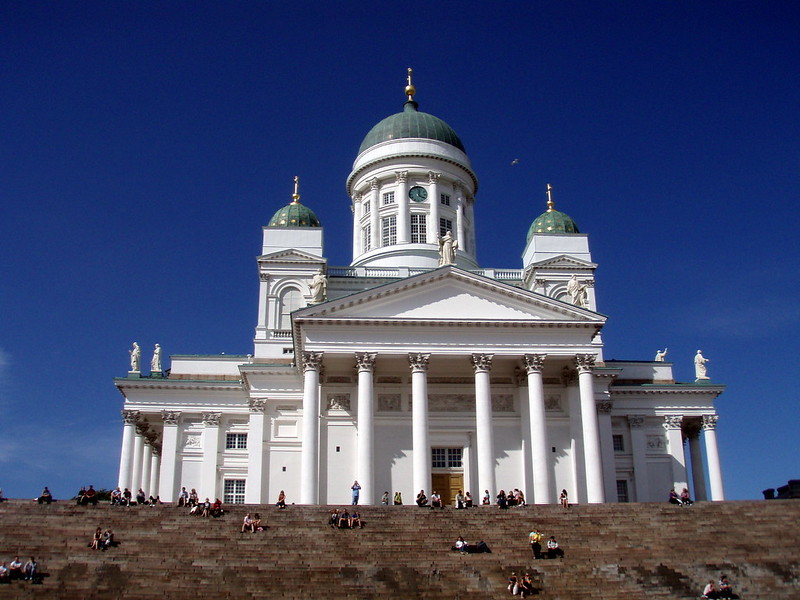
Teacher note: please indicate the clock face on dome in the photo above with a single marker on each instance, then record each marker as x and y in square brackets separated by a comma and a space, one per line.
[418, 194]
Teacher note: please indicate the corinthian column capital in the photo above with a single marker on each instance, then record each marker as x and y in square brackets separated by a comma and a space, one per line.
[482, 363]
[585, 362]
[365, 361]
[312, 361]
[534, 362]
[710, 422]
[673, 422]
[418, 362]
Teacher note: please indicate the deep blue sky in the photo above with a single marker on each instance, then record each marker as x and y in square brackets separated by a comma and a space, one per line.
[143, 146]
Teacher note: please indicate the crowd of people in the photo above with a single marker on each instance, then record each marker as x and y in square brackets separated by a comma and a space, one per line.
[535, 539]
[16, 570]
[522, 586]
[344, 519]
[681, 500]
[102, 540]
[721, 590]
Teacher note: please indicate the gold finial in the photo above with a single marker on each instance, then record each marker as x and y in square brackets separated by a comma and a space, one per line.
[296, 195]
[550, 203]
[410, 89]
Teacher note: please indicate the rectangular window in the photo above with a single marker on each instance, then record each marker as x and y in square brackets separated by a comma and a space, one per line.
[366, 207]
[234, 491]
[388, 198]
[619, 443]
[418, 232]
[445, 199]
[454, 457]
[446, 458]
[236, 441]
[445, 225]
[622, 490]
[367, 237]
[389, 231]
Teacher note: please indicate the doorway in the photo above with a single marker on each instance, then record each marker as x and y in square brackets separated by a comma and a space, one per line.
[448, 485]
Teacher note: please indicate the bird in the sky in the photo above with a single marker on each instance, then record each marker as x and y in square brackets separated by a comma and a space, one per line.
[514, 162]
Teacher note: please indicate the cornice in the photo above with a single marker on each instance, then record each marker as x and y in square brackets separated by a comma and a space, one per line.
[393, 158]
[179, 384]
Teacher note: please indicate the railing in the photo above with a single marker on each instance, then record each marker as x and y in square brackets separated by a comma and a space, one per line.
[400, 272]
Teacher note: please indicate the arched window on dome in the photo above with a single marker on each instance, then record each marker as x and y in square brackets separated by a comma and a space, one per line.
[290, 300]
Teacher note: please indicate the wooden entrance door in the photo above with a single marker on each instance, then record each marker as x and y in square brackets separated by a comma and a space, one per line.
[448, 485]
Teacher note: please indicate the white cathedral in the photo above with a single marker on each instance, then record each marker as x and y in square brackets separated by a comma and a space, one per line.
[413, 368]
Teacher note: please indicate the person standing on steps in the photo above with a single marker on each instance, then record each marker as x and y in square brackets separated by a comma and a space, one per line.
[356, 488]
[535, 539]
[564, 498]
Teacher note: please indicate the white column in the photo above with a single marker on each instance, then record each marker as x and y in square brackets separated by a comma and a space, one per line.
[673, 425]
[169, 455]
[147, 457]
[357, 208]
[639, 452]
[208, 469]
[403, 215]
[365, 362]
[138, 455]
[462, 241]
[712, 456]
[309, 458]
[698, 473]
[154, 463]
[593, 458]
[421, 448]
[433, 199]
[542, 494]
[482, 365]
[253, 491]
[607, 448]
[374, 217]
[126, 458]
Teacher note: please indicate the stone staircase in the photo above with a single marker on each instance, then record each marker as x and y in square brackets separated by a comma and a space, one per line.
[614, 551]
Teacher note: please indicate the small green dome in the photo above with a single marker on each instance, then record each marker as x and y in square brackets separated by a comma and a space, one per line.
[294, 214]
[552, 221]
[411, 124]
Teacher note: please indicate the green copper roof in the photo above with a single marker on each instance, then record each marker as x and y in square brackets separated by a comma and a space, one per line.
[411, 124]
[294, 214]
[552, 221]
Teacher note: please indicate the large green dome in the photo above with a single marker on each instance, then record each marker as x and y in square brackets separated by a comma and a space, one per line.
[411, 124]
[552, 221]
[294, 214]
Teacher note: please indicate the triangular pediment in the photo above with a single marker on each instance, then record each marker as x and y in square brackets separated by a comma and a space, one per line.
[448, 294]
[563, 262]
[290, 255]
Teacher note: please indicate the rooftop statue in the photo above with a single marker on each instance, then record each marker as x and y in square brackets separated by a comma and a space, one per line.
[136, 355]
[319, 287]
[155, 363]
[660, 354]
[700, 366]
[447, 249]
[577, 292]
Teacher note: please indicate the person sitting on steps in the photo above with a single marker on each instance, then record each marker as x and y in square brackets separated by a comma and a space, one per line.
[436, 500]
[422, 499]
[355, 519]
[344, 519]
[97, 538]
[553, 551]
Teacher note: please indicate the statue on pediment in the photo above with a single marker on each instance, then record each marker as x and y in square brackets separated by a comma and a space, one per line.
[319, 287]
[447, 249]
[577, 292]
[155, 363]
[660, 354]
